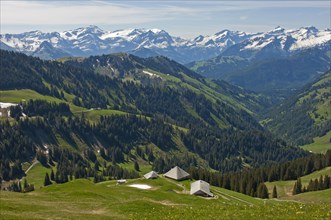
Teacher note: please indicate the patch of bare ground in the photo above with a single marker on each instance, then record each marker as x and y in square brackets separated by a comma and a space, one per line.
[166, 203]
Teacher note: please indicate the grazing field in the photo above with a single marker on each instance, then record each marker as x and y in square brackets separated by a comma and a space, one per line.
[36, 175]
[320, 145]
[285, 188]
[17, 96]
[94, 114]
[82, 199]
[316, 197]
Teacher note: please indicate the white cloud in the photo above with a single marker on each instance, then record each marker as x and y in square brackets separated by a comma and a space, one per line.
[101, 12]
[54, 14]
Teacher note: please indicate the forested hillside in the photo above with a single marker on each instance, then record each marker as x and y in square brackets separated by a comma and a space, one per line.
[162, 114]
[269, 75]
[305, 115]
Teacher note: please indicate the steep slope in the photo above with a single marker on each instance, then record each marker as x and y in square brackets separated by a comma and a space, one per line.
[278, 60]
[305, 115]
[280, 43]
[268, 75]
[133, 82]
[168, 110]
[219, 67]
[47, 52]
[164, 71]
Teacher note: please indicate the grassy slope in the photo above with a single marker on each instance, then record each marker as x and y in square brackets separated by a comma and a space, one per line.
[284, 188]
[318, 197]
[208, 89]
[93, 115]
[17, 96]
[320, 145]
[36, 175]
[322, 108]
[291, 119]
[81, 199]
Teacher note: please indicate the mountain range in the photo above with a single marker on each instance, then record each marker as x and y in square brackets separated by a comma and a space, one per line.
[92, 40]
[275, 62]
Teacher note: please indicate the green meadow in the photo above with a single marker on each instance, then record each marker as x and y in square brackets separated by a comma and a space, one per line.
[320, 144]
[166, 199]
[285, 188]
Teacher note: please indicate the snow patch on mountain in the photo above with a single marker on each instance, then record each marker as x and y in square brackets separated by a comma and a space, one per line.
[92, 40]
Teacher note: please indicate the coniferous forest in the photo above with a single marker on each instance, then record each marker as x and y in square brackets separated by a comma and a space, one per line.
[157, 116]
[165, 110]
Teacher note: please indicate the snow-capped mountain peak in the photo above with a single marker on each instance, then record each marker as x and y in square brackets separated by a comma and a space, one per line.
[277, 30]
[92, 40]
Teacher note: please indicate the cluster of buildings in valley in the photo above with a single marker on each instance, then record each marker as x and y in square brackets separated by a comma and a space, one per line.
[199, 187]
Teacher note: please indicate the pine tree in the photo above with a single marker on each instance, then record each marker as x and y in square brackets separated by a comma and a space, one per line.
[310, 186]
[327, 181]
[136, 166]
[151, 157]
[262, 191]
[52, 175]
[274, 192]
[297, 187]
[96, 165]
[294, 191]
[321, 183]
[19, 187]
[47, 181]
[25, 184]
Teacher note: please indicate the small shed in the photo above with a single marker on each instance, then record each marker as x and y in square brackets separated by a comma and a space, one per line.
[200, 188]
[177, 173]
[151, 175]
[121, 181]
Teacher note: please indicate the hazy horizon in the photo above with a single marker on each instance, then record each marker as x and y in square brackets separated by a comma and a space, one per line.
[186, 19]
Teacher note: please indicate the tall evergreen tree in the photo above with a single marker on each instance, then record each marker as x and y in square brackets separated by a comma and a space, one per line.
[297, 188]
[327, 181]
[25, 184]
[274, 192]
[52, 175]
[136, 166]
[47, 180]
[262, 191]
[320, 183]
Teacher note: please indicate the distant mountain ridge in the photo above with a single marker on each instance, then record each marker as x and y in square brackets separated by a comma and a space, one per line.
[92, 40]
[278, 60]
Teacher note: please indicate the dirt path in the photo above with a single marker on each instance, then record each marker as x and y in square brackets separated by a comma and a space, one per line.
[178, 184]
[233, 197]
[30, 167]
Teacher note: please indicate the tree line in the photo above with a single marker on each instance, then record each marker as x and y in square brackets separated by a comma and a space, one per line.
[322, 183]
[250, 181]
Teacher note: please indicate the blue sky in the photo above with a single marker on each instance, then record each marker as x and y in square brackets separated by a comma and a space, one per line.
[180, 18]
